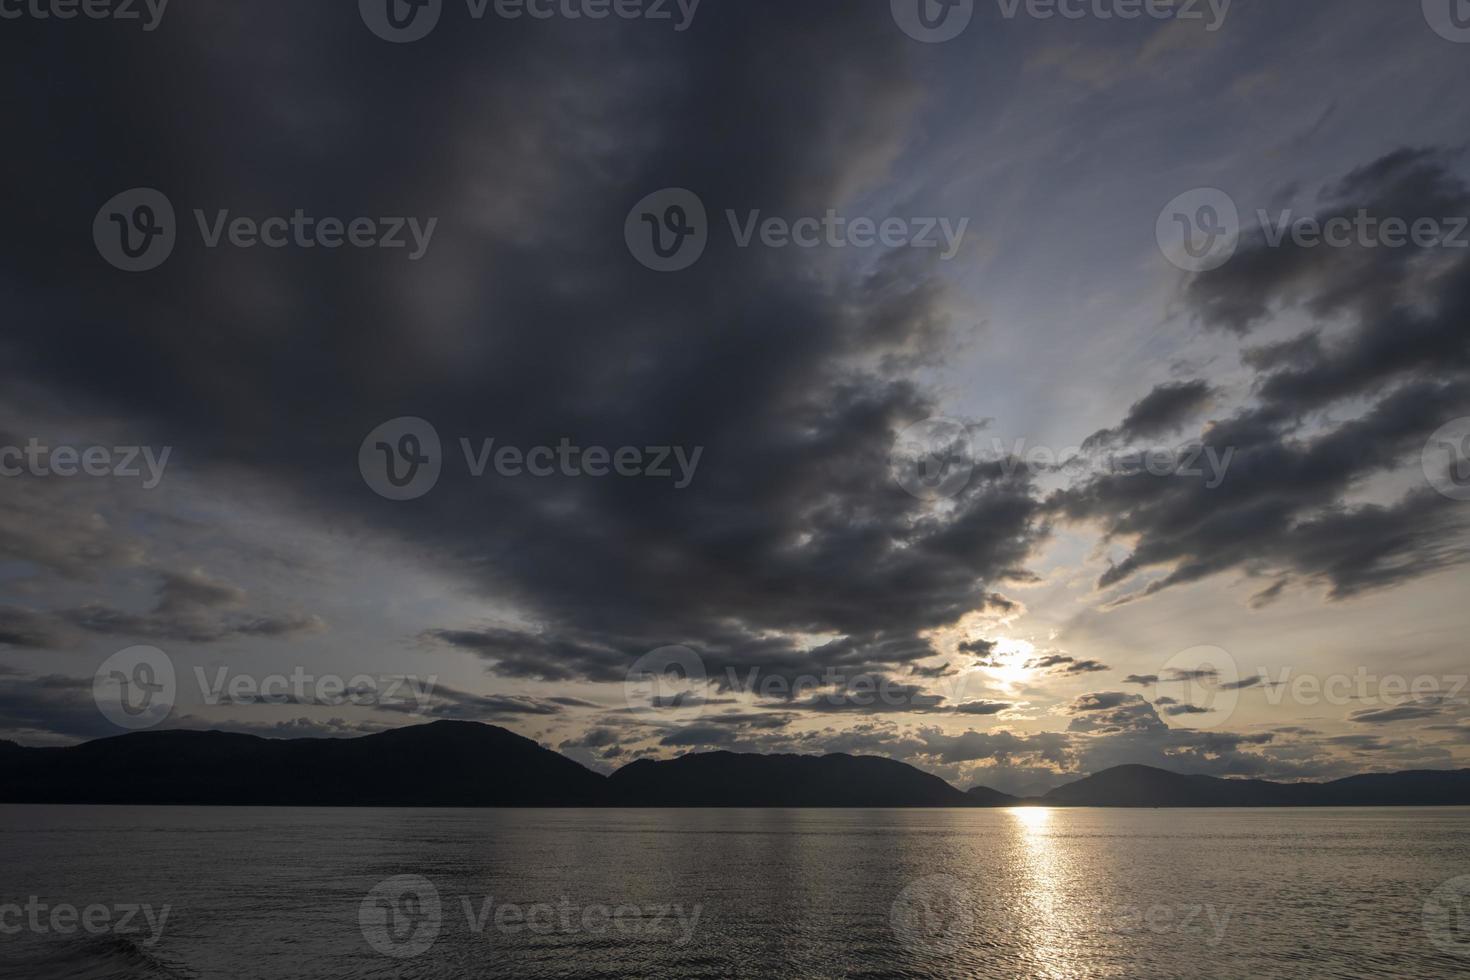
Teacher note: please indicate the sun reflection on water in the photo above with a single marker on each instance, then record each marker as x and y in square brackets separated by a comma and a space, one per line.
[1045, 918]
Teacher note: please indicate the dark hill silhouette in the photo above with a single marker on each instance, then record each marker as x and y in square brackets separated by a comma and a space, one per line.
[1148, 786]
[453, 763]
[985, 796]
[445, 763]
[742, 779]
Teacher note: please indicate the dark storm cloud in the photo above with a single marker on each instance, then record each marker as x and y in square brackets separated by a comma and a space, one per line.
[696, 735]
[53, 705]
[1112, 712]
[528, 321]
[1102, 701]
[982, 650]
[1142, 680]
[983, 707]
[1269, 595]
[1062, 664]
[1401, 351]
[1161, 412]
[541, 657]
[751, 719]
[1360, 743]
[192, 608]
[1401, 712]
[872, 694]
[441, 701]
[24, 628]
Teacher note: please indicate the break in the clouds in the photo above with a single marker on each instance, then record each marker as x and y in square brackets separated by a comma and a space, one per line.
[1314, 375]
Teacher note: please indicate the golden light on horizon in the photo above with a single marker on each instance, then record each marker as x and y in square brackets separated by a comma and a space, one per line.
[1031, 817]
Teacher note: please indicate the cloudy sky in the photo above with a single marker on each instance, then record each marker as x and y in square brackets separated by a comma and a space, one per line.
[1280, 592]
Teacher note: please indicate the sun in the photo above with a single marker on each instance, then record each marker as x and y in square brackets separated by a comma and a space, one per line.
[1009, 662]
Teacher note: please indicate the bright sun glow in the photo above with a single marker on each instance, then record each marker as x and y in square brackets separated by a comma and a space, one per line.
[1011, 657]
[1031, 817]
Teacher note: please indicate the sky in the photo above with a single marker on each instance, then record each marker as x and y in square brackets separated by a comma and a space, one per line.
[878, 494]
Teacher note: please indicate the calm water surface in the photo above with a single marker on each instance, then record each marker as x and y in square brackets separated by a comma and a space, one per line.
[276, 893]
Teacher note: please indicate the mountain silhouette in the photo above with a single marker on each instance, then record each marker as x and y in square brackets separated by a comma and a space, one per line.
[446, 763]
[985, 796]
[746, 779]
[457, 763]
[1148, 786]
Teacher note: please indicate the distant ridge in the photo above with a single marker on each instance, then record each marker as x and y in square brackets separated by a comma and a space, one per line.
[985, 796]
[745, 779]
[468, 764]
[446, 763]
[1148, 786]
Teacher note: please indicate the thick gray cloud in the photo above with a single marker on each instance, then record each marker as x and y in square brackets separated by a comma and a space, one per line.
[1060, 663]
[529, 321]
[1163, 411]
[1284, 504]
